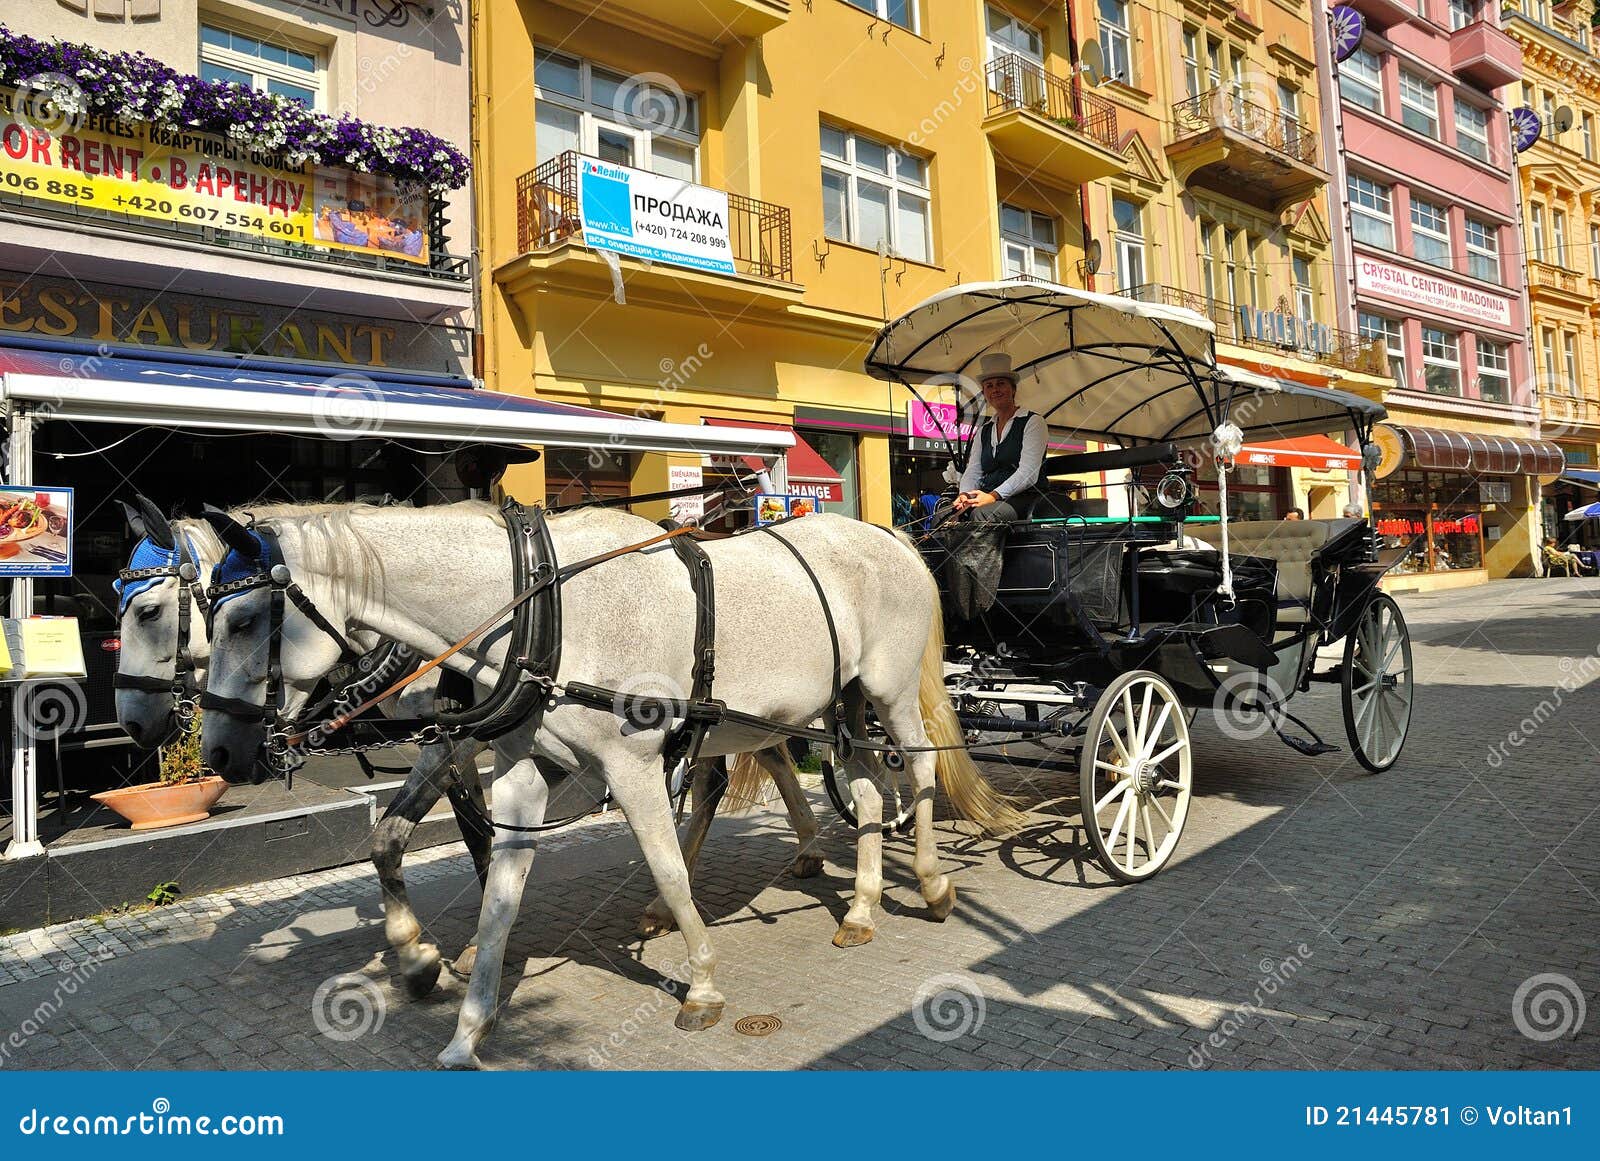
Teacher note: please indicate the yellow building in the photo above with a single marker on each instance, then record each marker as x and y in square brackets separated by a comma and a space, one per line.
[874, 152]
[1560, 186]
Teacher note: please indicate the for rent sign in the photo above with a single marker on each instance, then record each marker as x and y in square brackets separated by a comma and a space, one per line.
[659, 219]
[1431, 292]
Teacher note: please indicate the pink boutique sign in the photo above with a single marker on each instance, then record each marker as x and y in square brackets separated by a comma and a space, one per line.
[1375, 276]
[935, 421]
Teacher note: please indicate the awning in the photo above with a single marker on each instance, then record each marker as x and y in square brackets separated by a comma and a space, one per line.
[1306, 451]
[1466, 451]
[809, 474]
[1582, 477]
[294, 399]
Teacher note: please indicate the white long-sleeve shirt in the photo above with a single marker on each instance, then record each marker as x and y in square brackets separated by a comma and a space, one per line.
[1034, 437]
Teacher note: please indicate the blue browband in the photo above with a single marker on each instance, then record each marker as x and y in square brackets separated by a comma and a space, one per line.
[146, 555]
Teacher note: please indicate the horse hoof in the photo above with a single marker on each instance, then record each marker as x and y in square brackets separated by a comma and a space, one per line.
[461, 1059]
[941, 907]
[651, 925]
[421, 970]
[852, 934]
[466, 961]
[806, 866]
[697, 1015]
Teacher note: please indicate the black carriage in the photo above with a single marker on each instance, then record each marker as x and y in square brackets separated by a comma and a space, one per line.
[1109, 632]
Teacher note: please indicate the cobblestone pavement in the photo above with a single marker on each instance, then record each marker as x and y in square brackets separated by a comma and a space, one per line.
[1316, 917]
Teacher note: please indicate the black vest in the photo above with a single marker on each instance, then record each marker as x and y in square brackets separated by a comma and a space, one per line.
[998, 463]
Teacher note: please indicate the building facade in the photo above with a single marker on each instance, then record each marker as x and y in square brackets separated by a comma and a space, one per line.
[1427, 213]
[1560, 177]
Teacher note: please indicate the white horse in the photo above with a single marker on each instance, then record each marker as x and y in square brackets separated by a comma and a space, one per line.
[626, 624]
[147, 712]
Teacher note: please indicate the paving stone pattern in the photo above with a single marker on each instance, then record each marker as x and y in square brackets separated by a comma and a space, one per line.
[1316, 917]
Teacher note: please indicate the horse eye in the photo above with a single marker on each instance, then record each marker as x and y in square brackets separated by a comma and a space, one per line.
[149, 613]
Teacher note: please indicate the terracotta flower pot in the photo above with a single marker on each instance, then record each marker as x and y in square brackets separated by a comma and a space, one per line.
[156, 804]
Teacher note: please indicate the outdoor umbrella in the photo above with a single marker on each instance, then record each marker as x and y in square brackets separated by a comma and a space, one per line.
[1587, 512]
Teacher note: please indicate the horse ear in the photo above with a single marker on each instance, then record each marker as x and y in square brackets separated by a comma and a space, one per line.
[156, 525]
[135, 520]
[235, 535]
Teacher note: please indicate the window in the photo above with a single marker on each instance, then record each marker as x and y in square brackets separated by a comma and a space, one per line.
[1289, 102]
[1547, 348]
[1588, 136]
[582, 106]
[1305, 298]
[1558, 236]
[1463, 13]
[1494, 371]
[1191, 61]
[1116, 39]
[1208, 258]
[1569, 360]
[1441, 361]
[1430, 232]
[1594, 251]
[1128, 219]
[1371, 219]
[901, 12]
[838, 451]
[1028, 243]
[1419, 103]
[1361, 80]
[1472, 130]
[1483, 250]
[872, 193]
[1230, 267]
[1007, 34]
[1387, 331]
[1536, 235]
[264, 65]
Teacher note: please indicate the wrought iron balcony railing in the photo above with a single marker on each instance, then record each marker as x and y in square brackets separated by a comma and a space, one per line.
[1226, 108]
[1345, 350]
[1015, 82]
[547, 215]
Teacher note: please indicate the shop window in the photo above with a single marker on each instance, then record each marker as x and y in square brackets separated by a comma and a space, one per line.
[582, 106]
[838, 451]
[572, 475]
[1441, 361]
[1028, 243]
[874, 193]
[1494, 371]
[1444, 509]
[1430, 233]
[1387, 331]
[1128, 220]
[1361, 80]
[266, 64]
[1371, 215]
[1472, 129]
[1116, 39]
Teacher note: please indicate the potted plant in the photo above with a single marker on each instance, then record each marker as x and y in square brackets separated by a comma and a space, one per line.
[186, 791]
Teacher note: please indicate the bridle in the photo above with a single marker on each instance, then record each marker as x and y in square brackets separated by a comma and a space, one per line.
[181, 566]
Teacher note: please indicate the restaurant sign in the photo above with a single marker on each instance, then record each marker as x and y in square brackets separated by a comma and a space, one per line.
[1430, 292]
[1280, 329]
[186, 178]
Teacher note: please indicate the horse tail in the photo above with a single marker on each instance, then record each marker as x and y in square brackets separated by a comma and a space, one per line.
[969, 792]
[747, 782]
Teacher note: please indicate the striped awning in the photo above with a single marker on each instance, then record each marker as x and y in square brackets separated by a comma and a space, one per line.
[1435, 449]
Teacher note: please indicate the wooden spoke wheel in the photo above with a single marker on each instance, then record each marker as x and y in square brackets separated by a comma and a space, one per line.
[1375, 684]
[898, 798]
[1135, 775]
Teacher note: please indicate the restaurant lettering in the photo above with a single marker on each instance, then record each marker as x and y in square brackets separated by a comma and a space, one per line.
[1285, 330]
[1442, 526]
[1375, 276]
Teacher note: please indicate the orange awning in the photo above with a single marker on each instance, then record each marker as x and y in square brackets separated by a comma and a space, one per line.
[809, 474]
[1306, 451]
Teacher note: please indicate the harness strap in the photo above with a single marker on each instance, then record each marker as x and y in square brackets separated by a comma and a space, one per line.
[841, 735]
[685, 741]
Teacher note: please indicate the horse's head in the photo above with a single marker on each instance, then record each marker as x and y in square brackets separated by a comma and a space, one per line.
[155, 615]
[267, 653]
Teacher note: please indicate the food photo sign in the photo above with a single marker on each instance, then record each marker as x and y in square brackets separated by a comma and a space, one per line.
[35, 531]
[774, 506]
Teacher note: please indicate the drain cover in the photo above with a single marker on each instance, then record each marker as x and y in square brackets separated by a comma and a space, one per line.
[757, 1025]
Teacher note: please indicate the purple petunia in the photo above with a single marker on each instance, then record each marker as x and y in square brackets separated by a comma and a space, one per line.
[131, 86]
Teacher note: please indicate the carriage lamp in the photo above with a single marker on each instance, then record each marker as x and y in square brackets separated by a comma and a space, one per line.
[1176, 492]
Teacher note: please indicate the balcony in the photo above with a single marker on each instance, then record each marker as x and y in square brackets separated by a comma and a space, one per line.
[704, 21]
[550, 248]
[1547, 281]
[1045, 126]
[1244, 150]
[1485, 56]
[1343, 350]
[1564, 415]
[1385, 14]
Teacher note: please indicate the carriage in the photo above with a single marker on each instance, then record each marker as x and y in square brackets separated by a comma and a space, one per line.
[1108, 633]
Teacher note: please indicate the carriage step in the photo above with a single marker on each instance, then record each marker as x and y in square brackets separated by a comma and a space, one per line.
[1311, 749]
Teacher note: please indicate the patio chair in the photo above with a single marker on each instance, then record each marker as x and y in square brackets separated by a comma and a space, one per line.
[1566, 562]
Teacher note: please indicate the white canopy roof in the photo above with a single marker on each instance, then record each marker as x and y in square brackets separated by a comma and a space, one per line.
[116, 389]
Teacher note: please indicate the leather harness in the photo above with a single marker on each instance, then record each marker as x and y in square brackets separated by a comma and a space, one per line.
[187, 573]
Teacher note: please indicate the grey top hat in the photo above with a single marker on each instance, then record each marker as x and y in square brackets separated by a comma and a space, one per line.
[996, 365]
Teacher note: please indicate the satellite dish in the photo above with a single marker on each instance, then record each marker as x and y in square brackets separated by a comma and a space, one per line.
[1092, 62]
[1092, 255]
[1563, 119]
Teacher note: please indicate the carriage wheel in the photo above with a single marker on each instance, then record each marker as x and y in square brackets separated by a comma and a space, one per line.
[1135, 775]
[1376, 684]
[898, 797]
